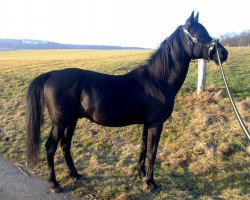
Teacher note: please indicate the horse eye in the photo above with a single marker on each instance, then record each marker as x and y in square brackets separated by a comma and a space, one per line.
[207, 45]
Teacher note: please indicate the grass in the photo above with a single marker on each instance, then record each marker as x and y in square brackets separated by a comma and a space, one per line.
[203, 153]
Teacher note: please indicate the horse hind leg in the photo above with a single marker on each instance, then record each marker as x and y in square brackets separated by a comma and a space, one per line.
[51, 147]
[66, 145]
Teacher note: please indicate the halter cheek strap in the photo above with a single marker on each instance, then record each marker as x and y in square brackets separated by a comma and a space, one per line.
[189, 35]
[194, 40]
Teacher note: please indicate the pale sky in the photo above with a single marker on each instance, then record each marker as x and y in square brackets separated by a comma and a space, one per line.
[141, 23]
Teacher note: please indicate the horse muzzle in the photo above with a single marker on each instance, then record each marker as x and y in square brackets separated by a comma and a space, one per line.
[223, 53]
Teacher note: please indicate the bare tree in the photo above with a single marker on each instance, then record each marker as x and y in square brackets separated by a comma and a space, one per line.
[233, 39]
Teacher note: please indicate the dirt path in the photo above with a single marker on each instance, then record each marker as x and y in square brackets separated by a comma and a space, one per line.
[18, 184]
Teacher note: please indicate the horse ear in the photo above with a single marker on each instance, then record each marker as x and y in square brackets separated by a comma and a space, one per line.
[190, 20]
[196, 18]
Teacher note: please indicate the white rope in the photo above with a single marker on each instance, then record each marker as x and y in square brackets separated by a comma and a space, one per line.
[243, 126]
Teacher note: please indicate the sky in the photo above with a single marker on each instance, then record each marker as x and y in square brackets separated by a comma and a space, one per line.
[140, 23]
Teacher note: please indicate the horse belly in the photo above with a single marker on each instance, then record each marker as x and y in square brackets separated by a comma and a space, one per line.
[107, 112]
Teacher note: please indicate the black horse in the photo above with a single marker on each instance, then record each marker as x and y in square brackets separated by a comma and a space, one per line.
[145, 96]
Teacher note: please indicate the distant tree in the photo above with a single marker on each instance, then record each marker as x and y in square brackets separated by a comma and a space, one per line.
[245, 38]
[224, 39]
[233, 39]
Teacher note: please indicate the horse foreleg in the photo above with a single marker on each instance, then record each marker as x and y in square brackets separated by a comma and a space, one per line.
[51, 147]
[66, 145]
[154, 133]
[142, 156]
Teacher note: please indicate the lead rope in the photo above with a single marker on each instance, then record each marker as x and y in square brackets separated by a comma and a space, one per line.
[243, 126]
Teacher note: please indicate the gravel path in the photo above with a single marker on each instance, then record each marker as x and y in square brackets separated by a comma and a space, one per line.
[16, 183]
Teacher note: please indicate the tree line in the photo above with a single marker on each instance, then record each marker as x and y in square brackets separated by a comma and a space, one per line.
[236, 39]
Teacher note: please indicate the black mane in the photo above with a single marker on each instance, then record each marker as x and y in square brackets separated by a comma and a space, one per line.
[161, 63]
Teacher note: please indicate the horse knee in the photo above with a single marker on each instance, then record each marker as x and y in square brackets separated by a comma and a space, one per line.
[65, 148]
[50, 152]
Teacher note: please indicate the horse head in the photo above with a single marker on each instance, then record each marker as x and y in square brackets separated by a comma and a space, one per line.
[198, 43]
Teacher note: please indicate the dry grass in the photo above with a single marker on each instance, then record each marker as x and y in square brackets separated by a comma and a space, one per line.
[203, 153]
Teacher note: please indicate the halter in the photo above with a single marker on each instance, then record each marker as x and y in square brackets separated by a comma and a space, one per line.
[194, 40]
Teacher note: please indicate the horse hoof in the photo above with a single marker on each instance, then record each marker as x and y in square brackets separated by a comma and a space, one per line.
[57, 189]
[154, 188]
[78, 177]
[157, 189]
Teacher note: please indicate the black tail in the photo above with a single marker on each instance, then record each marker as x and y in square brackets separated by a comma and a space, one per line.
[34, 120]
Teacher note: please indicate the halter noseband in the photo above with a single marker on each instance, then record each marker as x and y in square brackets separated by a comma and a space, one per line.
[194, 40]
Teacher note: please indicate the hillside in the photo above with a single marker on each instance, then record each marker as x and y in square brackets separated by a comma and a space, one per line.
[14, 44]
[203, 154]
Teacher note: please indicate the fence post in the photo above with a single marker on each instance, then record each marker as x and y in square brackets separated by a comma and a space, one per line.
[201, 84]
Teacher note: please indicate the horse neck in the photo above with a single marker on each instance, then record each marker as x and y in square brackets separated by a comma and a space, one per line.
[169, 64]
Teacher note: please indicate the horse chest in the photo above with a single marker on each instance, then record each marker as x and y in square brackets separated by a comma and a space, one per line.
[161, 111]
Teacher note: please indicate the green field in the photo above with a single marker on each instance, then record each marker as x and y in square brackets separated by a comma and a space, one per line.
[203, 154]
